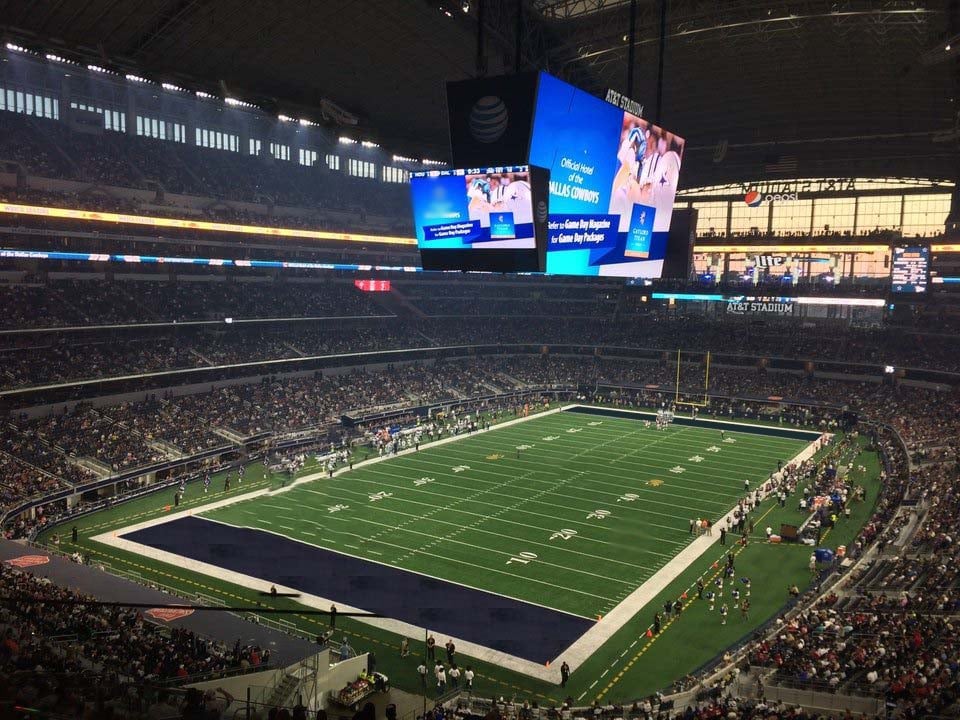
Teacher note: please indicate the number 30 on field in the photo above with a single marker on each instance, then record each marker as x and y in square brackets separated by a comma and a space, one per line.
[522, 558]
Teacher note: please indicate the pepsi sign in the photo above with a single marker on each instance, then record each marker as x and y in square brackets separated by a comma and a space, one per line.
[754, 198]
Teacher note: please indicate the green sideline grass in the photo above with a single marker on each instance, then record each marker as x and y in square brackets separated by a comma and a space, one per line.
[565, 479]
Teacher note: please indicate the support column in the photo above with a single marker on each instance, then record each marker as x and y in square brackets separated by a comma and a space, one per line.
[663, 50]
[481, 62]
[632, 49]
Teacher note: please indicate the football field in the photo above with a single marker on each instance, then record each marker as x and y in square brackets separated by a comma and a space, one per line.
[567, 511]
[564, 552]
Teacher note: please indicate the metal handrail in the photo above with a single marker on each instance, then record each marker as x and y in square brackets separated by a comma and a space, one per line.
[214, 675]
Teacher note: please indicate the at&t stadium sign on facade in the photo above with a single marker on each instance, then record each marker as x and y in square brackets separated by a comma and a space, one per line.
[749, 305]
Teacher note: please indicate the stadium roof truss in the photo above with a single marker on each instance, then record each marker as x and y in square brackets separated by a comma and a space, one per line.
[737, 74]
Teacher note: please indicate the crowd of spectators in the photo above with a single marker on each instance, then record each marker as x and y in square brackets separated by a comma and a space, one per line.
[918, 572]
[910, 657]
[23, 143]
[594, 300]
[551, 313]
[118, 163]
[18, 480]
[87, 432]
[825, 234]
[75, 302]
[53, 636]
[34, 466]
[162, 420]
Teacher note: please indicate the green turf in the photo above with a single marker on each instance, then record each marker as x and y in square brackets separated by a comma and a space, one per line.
[477, 513]
[624, 668]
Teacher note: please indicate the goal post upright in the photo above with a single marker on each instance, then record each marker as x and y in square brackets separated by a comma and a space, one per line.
[706, 385]
[706, 380]
[676, 397]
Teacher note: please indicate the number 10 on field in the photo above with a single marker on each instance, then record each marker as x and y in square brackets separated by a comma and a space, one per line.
[522, 558]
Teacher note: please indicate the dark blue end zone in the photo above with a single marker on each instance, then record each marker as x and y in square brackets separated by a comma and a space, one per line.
[445, 608]
[732, 426]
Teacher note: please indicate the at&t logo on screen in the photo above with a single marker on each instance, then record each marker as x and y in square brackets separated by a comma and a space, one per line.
[541, 211]
[488, 119]
[753, 198]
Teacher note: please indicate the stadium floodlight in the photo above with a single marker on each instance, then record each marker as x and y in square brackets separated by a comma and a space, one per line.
[100, 69]
[942, 51]
[17, 48]
[52, 57]
[308, 123]
[136, 78]
[344, 140]
[425, 161]
[204, 95]
[233, 102]
[401, 158]
[284, 118]
[369, 144]
[172, 87]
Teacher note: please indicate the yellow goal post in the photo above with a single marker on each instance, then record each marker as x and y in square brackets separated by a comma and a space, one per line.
[706, 386]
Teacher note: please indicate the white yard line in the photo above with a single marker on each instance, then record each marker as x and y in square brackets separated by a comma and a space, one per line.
[590, 502]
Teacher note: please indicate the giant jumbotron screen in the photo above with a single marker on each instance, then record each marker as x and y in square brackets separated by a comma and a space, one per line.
[613, 180]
